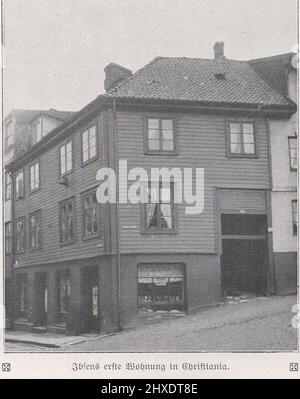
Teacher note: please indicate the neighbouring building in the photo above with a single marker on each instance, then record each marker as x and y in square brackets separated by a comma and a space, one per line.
[280, 72]
[83, 266]
[22, 129]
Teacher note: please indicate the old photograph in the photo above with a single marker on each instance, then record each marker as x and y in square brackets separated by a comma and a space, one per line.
[149, 159]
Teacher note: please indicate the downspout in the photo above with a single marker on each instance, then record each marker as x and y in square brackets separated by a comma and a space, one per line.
[269, 207]
[118, 255]
[12, 218]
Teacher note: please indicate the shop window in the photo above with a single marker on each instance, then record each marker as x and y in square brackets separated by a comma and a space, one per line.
[161, 287]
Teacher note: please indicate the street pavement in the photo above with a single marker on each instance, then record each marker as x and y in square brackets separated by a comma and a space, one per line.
[258, 324]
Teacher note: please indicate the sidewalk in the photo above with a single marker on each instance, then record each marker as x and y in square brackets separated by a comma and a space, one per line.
[47, 340]
[261, 323]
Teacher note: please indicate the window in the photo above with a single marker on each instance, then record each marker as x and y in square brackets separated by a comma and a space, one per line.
[293, 152]
[35, 230]
[295, 217]
[8, 134]
[67, 221]
[34, 176]
[241, 139]
[8, 237]
[23, 294]
[66, 158]
[160, 135]
[89, 146]
[91, 214]
[64, 295]
[7, 186]
[20, 235]
[161, 287]
[19, 184]
[159, 211]
[37, 130]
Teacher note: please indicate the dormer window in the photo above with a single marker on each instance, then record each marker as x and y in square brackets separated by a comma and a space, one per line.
[8, 134]
[37, 130]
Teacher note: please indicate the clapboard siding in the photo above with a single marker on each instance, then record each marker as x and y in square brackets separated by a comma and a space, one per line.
[47, 199]
[232, 200]
[202, 144]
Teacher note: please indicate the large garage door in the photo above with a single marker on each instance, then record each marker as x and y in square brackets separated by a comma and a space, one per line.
[161, 287]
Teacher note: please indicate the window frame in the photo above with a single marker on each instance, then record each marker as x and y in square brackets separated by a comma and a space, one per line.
[17, 197]
[37, 122]
[295, 222]
[143, 210]
[160, 118]
[99, 233]
[8, 143]
[290, 159]
[87, 129]
[20, 251]
[8, 178]
[228, 139]
[61, 204]
[30, 166]
[39, 246]
[8, 237]
[72, 157]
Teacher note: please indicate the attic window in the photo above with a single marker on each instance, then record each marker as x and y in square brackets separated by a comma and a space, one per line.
[220, 76]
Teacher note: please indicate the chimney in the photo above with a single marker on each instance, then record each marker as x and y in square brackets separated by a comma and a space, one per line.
[219, 51]
[114, 73]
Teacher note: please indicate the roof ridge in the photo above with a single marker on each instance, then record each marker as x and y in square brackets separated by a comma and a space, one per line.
[290, 53]
[201, 58]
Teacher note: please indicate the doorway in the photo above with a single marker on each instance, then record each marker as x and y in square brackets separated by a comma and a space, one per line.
[90, 291]
[41, 299]
[244, 261]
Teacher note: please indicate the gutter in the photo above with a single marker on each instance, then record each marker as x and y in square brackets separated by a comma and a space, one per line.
[106, 100]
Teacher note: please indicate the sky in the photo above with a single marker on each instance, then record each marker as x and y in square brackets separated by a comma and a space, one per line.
[55, 51]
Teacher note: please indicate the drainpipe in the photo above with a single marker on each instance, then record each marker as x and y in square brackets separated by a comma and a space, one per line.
[12, 220]
[269, 218]
[118, 255]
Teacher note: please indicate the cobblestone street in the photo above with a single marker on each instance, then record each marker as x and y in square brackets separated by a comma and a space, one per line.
[260, 324]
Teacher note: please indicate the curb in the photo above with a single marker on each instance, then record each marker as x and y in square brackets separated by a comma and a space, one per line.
[27, 341]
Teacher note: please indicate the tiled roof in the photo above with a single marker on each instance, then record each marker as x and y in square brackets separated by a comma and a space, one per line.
[274, 70]
[194, 79]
